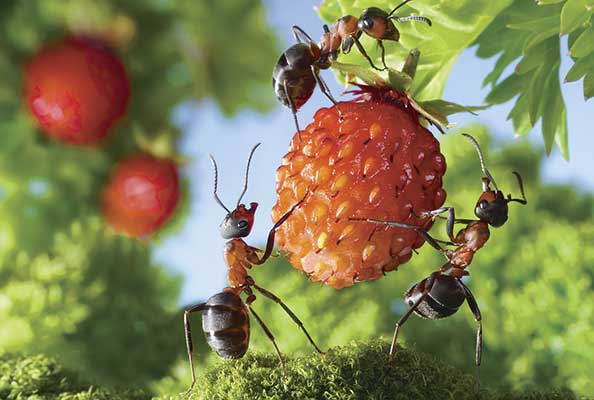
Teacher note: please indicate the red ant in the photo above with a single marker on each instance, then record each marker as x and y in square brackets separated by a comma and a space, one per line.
[225, 318]
[374, 22]
[443, 292]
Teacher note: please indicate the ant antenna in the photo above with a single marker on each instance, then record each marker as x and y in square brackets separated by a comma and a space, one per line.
[216, 180]
[412, 18]
[480, 154]
[398, 6]
[247, 171]
[521, 185]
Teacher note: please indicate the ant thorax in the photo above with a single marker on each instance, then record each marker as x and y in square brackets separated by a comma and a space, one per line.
[472, 238]
[239, 257]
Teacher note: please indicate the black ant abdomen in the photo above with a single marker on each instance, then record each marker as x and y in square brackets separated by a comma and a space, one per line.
[444, 299]
[292, 79]
[226, 325]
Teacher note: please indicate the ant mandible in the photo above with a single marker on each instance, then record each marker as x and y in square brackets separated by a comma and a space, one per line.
[374, 22]
[443, 292]
[225, 318]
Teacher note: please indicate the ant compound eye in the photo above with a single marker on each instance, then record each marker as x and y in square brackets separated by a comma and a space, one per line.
[242, 224]
[366, 23]
[483, 204]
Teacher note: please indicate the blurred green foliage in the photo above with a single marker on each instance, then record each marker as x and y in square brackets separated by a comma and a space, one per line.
[533, 282]
[68, 287]
[510, 29]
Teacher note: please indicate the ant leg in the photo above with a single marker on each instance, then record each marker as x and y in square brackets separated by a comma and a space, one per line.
[278, 301]
[402, 320]
[189, 344]
[428, 238]
[272, 233]
[381, 46]
[298, 31]
[271, 337]
[479, 331]
[364, 53]
[293, 108]
[324, 88]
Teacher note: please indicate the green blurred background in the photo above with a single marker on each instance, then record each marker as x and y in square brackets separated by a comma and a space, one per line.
[110, 307]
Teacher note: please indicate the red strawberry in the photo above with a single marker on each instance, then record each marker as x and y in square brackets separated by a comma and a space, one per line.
[76, 90]
[377, 162]
[141, 194]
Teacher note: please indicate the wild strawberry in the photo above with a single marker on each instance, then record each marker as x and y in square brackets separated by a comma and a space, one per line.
[141, 194]
[76, 90]
[377, 162]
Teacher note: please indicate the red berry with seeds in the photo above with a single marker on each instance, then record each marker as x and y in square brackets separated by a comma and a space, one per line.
[76, 90]
[378, 162]
[141, 194]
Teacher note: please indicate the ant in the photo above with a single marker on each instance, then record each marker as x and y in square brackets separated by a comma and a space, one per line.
[374, 22]
[443, 292]
[297, 73]
[225, 318]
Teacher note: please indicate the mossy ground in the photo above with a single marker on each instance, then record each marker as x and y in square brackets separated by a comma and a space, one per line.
[357, 371]
[42, 378]
[353, 372]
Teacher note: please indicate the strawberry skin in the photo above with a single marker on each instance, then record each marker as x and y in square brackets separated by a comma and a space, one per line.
[378, 162]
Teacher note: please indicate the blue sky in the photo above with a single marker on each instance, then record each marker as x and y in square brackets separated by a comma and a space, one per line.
[196, 251]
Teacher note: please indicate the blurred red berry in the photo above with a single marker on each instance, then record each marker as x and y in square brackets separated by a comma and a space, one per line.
[141, 194]
[76, 90]
[378, 162]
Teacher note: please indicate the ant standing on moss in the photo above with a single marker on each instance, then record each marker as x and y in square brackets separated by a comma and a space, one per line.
[225, 318]
[443, 292]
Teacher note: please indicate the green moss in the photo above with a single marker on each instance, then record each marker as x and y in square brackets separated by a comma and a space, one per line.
[42, 378]
[357, 371]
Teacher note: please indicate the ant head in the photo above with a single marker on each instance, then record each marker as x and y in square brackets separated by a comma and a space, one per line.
[491, 206]
[237, 223]
[375, 22]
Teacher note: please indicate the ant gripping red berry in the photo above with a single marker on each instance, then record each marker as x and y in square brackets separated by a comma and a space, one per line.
[225, 318]
[374, 22]
[443, 292]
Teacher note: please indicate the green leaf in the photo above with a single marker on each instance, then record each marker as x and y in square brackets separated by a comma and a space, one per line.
[573, 15]
[535, 56]
[584, 44]
[537, 25]
[456, 25]
[364, 74]
[520, 116]
[448, 108]
[553, 119]
[506, 90]
[534, 94]
[589, 86]
[580, 68]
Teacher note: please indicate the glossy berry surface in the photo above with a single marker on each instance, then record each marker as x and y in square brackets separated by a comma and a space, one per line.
[377, 163]
[141, 194]
[76, 90]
